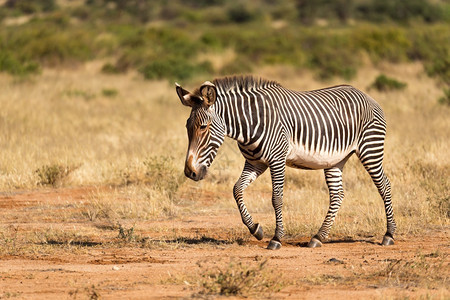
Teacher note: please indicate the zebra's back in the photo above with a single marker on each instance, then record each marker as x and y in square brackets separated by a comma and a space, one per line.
[325, 125]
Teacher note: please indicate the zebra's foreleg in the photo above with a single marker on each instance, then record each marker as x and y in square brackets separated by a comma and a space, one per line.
[277, 174]
[248, 175]
[333, 178]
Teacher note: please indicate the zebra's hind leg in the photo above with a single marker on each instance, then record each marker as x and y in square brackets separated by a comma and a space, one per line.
[375, 168]
[333, 177]
[248, 175]
[370, 153]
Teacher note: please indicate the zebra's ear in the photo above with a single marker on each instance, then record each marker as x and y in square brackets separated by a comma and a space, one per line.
[209, 93]
[185, 96]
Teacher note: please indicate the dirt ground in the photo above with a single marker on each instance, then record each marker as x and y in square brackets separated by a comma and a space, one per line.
[173, 257]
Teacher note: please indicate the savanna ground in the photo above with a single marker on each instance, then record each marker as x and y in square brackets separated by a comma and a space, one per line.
[94, 202]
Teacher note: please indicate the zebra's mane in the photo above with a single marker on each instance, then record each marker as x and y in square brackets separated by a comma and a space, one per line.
[243, 83]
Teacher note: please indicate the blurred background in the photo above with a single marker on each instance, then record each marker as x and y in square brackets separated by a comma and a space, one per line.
[179, 40]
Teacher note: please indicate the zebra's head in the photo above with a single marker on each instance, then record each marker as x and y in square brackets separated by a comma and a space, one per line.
[205, 130]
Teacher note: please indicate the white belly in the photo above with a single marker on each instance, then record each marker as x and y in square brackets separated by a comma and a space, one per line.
[299, 157]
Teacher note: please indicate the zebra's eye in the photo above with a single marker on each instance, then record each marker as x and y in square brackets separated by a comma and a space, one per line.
[203, 127]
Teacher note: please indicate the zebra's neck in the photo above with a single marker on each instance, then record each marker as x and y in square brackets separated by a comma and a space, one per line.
[244, 113]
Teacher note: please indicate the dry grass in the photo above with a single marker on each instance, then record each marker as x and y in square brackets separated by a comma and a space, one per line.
[136, 142]
[238, 279]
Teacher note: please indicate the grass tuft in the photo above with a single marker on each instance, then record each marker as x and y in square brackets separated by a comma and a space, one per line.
[424, 271]
[53, 174]
[238, 279]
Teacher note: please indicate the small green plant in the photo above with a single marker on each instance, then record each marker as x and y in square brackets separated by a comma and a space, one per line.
[111, 69]
[75, 93]
[92, 293]
[110, 93]
[8, 240]
[445, 100]
[238, 279]
[53, 174]
[383, 84]
[126, 234]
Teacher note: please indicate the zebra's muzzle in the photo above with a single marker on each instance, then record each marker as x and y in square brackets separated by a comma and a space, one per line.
[195, 174]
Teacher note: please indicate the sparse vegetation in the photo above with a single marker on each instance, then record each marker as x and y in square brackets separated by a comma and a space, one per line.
[238, 279]
[425, 270]
[126, 234]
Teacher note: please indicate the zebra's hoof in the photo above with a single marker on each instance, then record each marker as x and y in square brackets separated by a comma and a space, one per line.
[274, 245]
[258, 233]
[314, 243]
[387, 241]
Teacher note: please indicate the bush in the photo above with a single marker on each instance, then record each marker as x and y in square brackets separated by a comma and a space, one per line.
[445, 100]
[264, 46]
[172, 68]
[432, 47]
[383, 83]
[10, 64]
[46, 41]
[240, 13]
[383, 43]
[110, 93]
[109, 68]
[332, 56]
[237, 66]
[31, 6]
[400, 10]
[52, 174]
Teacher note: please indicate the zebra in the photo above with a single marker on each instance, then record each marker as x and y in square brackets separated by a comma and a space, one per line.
[277, 127]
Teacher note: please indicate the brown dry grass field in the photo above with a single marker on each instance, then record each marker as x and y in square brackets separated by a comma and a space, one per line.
[94, 203]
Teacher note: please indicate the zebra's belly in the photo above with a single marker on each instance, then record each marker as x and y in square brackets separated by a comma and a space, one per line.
[302, 158]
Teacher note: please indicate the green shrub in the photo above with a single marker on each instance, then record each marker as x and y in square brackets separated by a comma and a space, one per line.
[173, 68]
[383, 83]
[237, 66]
[431, 45]
[109, 68]
[264, 46]
[31, 6]
[110, 93]
[240, 12]
[332, 56]
[76, 93]
[399, 10]
[382, 43]
[10, 64]
[445, 100]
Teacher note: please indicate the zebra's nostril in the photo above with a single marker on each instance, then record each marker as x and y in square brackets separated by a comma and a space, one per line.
[194, 175]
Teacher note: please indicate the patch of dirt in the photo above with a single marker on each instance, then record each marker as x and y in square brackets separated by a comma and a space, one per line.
[169, 258]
